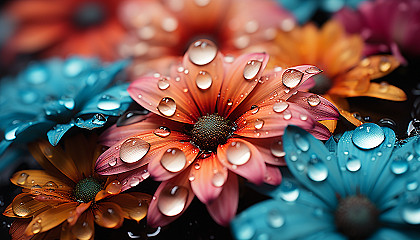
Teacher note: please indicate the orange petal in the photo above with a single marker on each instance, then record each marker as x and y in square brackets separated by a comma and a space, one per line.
[24, 205]
[75, 214]
[385, 91]
[31, 178]
[133, 205]
[377, 66]
[27, 10]
[50, 218]
[108, 215]
[84, 227]
[17, 230]
[80, 150]
[207, 178]
[343, 106]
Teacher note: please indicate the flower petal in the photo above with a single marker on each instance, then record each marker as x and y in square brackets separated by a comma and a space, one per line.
[242, 158]
[84, 227]
[171, 199]
[108, 215]
[133, 178]
[272, 175]
[223, 208]
[24, 206]
[271, 149]
[134, 205]
[30, 178]
[17, 230]
[79, 210]
[317, 106]
[208, 177]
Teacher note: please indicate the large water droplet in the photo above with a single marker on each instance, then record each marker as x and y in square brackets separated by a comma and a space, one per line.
[22, 178]
[251, 69]
[412, 184]
[107, 102]
[133, 149]
[301, 142]
[167, 106]
[368, 136]
[37, 74]
[36, 227]
[73, 67]
[245, 232]
[238, 153]
[163, 83]
[10, 133]
[288, 191]
[279, 107]
[21, 206]
[275, 218]
[114, 187]
[317, 170]
[353, 164]
[258, 124]
[292, 77]
[313, 100]
[277, 148]
[254, 109]
[203, 80]
[99, 119]
[202, 52]
[218, 179]
[411, 212]
[399, 165]
[173, 160]
[172, 200]
[287, 115]
[162, 132]
[67, 102]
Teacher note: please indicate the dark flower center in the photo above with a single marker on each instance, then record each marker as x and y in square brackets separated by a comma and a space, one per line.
[86, 189]
[211, 131]
[89, 14]
[356, 217]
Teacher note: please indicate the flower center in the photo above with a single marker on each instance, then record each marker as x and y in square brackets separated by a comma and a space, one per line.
[211, 131]
[86, 189]
[356, 217]
[89, 14]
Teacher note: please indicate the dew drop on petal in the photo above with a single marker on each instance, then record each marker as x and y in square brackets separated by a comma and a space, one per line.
[251, 69]
[254, 109]
[203, 80]
[37, 74]
[291, 78]
[412, 185]
[28, 96]
[279, 107]
[134, 181]
[112, 162]
[50, 184]
[202, 52]
[163, 83]
[169, 24]
[162, 132]
[114, 187]
[10, 134]
[202, 3]
[167, 106]
[21, 207]
[275, 218]
[172, 200]
[353, 164]
[303, 117]
[288, 191]
[238, 153]
[36, 227]
[245, 232]
[313, 70]
[73, 67]
[384, 65]
[368, 136]
[258, 124]
[399, 165]
[22, 178]
[317, 170]
[218, 179]
[133, 149]
[173, 160]
[411, 211]
[301, 142]
[313, 100]
[277, 149]
[287, 115]
[108, 103]
[67, 102]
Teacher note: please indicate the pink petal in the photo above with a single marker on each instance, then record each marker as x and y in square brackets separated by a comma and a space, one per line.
[320, 132]
[271, 149]
[223, 208]
[272, 175]
[209, 176]
[133, 178]
[324, 110]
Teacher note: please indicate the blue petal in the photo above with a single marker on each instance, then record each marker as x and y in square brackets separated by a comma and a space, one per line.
[274, 219]
[326, 235]
[332, 5]
[55, 134]
[312, 164]
[302, 10]
[331, 145]
[387, 233]
[96, 121]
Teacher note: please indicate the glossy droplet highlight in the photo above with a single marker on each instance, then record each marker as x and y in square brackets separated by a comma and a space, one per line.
[67, 102]
[172, 200]
[399, 166]
[238, 153]
[218, 179]
[162, 132]
[163, 83]
[275, 219]
[276, 149]
[22, 206]
[203, 80]
[291, 78]
[313, 70]
[114, 187]
[411, 211]
[36, 227]
[279, 107]
[173, 160]
[202, 52]
[288, 191]
[254, 109]
[251, 69]
[50, 184]
[167, 107]
[245, 232]
[301, 142]
[353, 164]
[317, 170]
[384, 65]
[313, 100]
[22, 178]
[368, 136]
[133, 149]
[108, 103]
[258, 124]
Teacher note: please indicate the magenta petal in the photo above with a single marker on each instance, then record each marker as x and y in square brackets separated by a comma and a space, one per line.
[320, 132]
[223, 208]
[319, 107]
[133, 178]
[272, 175]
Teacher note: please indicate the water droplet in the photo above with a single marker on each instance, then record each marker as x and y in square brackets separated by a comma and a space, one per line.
[275, 219]
[313, 100]
[73, 67]
[134, 181]
[172, 200]
[399, 165]
[218, 179]
[202, 3]
[114, 187]
[411, 212]
[133, 149]
[67, 102]
[167, 106]
[287, 115]
[384, 65]
[36, 227]
[251, 26]
[162, 132]
[173, 160]
[203, 80]
[353, 164]
[112, 162]
[292, 77]
[368, 136]
[229, 102]
[279, 107]
[21, 206]
[317, 170]
[383, 87]
[301, 142]
[277, 148]
[163, 83]
[245, 231]
[50, 184]
[365, 62]
[10, 134]
[412, 185]
[238, 153]
[22, 178]
[169, 24]
[258, 124]
[202, 52]
[288, 191]
[197, 165]
[107, 102]
[37, 74]
[28, 96]
[303, 117]
[254, 109]
[251, 69]
[313, 70]
[99, 119]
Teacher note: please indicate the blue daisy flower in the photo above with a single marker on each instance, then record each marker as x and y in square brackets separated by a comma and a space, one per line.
[305, 9]
[50, 97]
[363, 187]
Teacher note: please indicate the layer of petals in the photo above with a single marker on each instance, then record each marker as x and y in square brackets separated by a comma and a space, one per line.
[324, 110]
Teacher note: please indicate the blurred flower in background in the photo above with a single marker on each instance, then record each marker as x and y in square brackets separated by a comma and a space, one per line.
[386, 26]
[64, 200]
[363, 187]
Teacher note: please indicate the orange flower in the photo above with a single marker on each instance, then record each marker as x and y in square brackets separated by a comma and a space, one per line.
[65, 27]
[66, 198]
[161, 30]
[345, 74]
